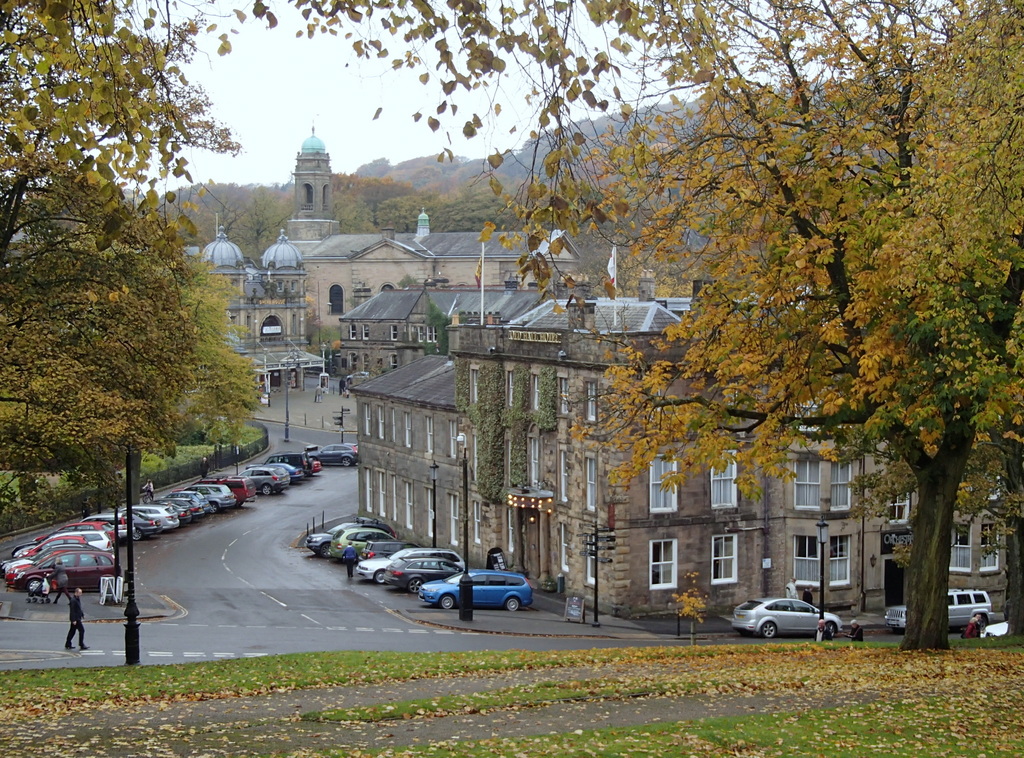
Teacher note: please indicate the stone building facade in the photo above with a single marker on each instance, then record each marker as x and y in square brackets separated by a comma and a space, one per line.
[534, 490]
[346, 270]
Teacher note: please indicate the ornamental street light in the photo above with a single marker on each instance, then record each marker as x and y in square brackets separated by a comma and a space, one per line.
[822, 543]
[433, 503]
[466, 582]
[293, 360]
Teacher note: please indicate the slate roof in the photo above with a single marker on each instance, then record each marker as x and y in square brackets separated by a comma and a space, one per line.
[620, 315]
[464, 245]
[428, 381]
[397, 305]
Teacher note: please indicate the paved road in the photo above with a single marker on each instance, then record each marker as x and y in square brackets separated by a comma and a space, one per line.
[238, 584]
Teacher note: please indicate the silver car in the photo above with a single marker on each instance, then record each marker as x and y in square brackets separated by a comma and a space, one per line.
[374, 568]
[771, 616]
[161, 515]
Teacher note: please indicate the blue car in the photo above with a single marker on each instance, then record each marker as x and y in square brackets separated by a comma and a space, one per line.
[294, 474]
[491, 589]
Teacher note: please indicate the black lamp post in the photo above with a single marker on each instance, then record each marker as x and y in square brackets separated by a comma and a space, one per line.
[433, 503]
[466, 582]
[822, 544]
[131, 610]
[293, 361]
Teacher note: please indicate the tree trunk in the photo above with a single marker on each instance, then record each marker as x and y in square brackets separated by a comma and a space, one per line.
[938, 479]
[1013, 606]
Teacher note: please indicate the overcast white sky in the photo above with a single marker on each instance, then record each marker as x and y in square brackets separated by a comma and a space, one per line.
[272, 89]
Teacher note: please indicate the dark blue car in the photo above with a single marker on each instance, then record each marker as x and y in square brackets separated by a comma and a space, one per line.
[491, 589]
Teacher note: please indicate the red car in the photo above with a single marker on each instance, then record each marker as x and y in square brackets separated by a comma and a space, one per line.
[242, 487]
[85, 568]
[83, 539]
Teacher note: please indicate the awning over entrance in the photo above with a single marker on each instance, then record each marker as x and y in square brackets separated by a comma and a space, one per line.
[275, 360]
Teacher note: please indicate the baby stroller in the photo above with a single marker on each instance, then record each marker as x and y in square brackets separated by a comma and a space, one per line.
[39, 592]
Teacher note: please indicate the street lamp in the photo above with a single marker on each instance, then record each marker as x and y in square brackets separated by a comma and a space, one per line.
[293, 359]
[131, 610]
[822, 542]
[466, 582]
[433, 503]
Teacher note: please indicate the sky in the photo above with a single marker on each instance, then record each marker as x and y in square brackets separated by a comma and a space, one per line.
[272, 90]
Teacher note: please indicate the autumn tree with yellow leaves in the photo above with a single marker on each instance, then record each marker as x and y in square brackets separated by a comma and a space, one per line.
[853, 172]
[108, 331]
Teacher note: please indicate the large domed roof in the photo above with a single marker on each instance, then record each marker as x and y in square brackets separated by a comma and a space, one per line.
[222, 252]
[314, 144]
[282, 254]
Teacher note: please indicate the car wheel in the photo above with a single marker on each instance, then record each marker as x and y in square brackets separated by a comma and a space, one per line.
[769, 630]
[414, 585]
[512, 603]
[34, 586]
[325, 550]
[136, 534]
[832, 628]
[378, 576]
[346, 461]
[266, 489]
[447, 602]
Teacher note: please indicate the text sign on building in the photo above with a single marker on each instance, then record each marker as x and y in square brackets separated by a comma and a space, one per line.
[271, 330]
[535, 336]
[891, 539]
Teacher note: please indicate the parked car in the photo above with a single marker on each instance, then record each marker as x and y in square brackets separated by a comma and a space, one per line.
[297, 459]
[384, 548]
[94, 539]
[268, 481]
[491, 589]
[12, 566]
[772, 616]
[78, 526]
[374, 568]
[412, 573]
[295, 473]
[167, 519]
[995, 630]
[218, 495]
[143, 527]
[320, 542]
[243, 488]
[195, 502]
[179, 508]
[84, 568]
[338, 454]
[357, 537]
[962, 605]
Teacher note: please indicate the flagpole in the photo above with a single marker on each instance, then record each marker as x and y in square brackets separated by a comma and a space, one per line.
[482, 246]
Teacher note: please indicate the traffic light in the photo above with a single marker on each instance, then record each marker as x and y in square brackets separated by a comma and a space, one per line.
[339, 419]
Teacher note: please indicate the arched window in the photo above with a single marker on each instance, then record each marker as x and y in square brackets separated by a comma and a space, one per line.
[309, 193]
[271, 329]
[336, 299]
[325, 196]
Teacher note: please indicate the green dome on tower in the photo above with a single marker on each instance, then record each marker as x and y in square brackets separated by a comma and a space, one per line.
[314, 144]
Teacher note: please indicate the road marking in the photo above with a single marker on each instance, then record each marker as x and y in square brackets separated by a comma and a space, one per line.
[313, 621]
[159, 654]
[283, 605]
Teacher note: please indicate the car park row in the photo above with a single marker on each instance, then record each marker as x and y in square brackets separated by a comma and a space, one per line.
[84, 550]
[433, 574]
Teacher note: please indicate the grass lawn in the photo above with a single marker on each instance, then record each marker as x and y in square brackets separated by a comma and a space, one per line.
[836, 700]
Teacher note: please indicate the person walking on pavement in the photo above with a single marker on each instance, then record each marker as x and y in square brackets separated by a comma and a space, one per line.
[60, 583]
[204, 467]
[791, 589]
[349, 558]
[807, 596]
[77, 615]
